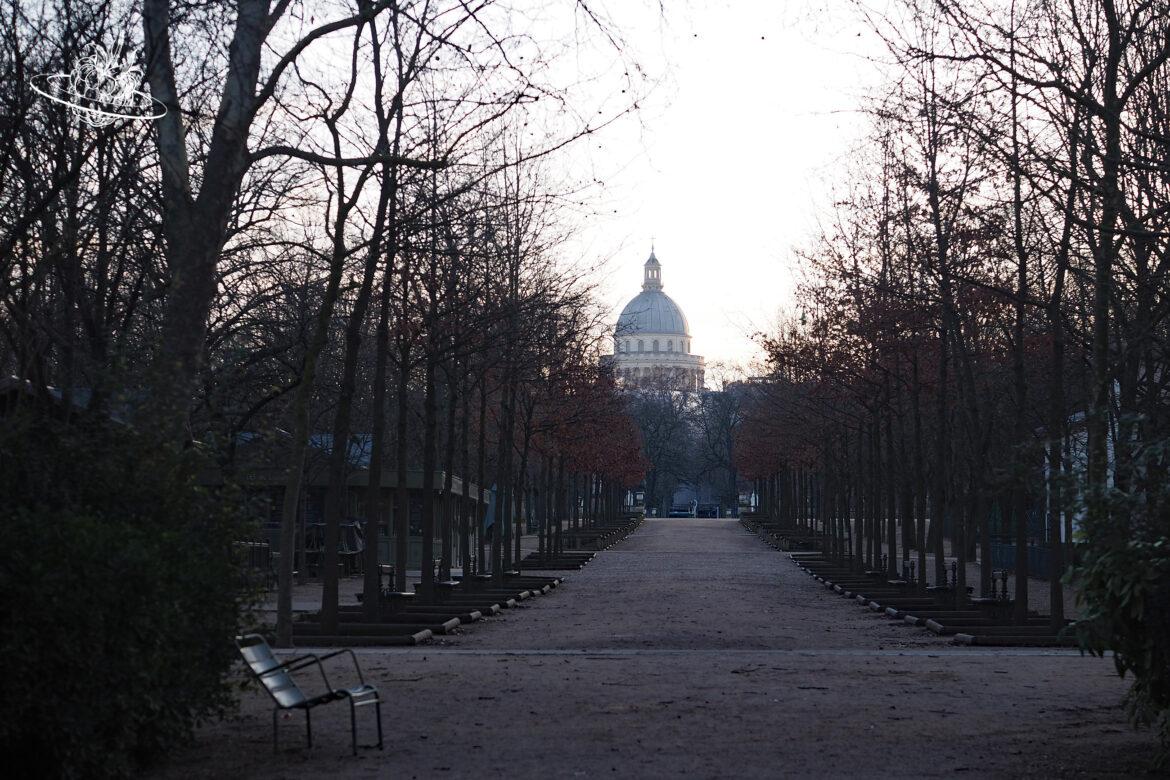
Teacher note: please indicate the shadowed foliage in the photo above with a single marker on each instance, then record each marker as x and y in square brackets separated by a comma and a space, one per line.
[119, 596]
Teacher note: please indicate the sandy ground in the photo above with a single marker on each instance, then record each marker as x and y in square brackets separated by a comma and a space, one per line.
[692, 649]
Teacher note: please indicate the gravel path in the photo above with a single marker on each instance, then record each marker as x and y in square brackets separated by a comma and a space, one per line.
[692, 649]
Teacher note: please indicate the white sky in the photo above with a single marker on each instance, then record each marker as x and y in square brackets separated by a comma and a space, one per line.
[729, 161]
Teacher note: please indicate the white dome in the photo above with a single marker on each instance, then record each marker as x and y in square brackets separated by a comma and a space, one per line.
[661, 352]
[652, 311]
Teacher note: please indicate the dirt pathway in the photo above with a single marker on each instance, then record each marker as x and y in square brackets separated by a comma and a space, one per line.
[691, 649]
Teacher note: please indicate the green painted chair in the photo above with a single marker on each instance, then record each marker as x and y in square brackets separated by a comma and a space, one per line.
[276, 677]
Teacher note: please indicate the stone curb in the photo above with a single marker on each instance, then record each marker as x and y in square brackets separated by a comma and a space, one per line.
[892, 612]
[416, 638]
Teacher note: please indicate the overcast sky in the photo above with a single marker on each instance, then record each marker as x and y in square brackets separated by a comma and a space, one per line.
[727, 163]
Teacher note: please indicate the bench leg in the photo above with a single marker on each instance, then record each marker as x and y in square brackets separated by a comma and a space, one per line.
[378, 715]
[275, 731]
[353, 724]
[309, 726]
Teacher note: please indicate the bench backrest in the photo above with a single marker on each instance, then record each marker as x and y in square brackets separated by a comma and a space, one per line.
[266, 667]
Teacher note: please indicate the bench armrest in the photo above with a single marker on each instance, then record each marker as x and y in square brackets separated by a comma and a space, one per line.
[353, 657]
[301, 662]
[290, 665]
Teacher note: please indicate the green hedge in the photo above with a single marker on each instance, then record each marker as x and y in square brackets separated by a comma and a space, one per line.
[119, 597]
[1126, 598]
[1124, 582]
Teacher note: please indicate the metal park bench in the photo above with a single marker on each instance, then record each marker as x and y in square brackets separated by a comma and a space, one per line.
[276, 676]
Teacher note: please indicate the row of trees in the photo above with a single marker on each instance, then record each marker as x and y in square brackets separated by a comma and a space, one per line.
[344, 224]
[688, 439]
[982, 327]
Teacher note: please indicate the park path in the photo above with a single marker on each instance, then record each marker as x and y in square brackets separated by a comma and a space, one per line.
[692, 649]
[691, 584]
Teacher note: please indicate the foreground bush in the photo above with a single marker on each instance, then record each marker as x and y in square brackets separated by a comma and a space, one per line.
[1125, 592]
[119, 595]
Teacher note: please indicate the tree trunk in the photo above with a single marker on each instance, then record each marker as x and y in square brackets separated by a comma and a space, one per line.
[447, 531]
[372, 585]
[296, 466]
[402, 494]
[481, 475]
[891, 479]
[466, 507]
[430, 461]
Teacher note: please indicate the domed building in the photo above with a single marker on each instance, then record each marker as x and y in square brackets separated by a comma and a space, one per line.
[652, 341]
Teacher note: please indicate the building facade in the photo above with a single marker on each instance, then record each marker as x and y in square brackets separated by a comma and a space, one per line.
[652, 341]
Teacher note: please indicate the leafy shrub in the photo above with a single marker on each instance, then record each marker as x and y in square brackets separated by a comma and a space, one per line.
[119, 597]
[1125, 592]
[1127, 598]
